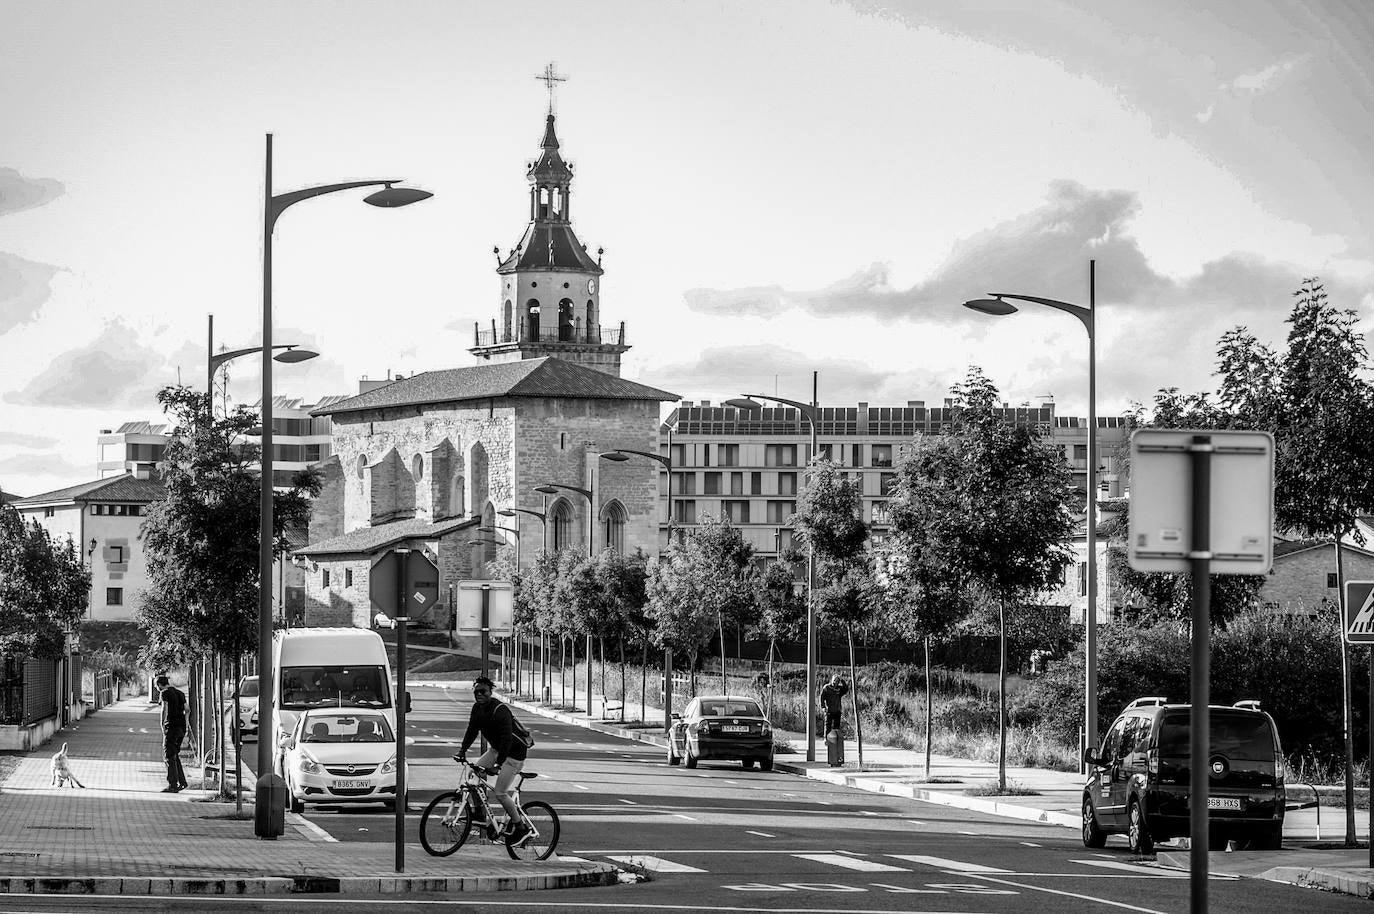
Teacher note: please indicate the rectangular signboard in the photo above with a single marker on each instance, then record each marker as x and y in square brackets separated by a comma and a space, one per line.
[1359, 612]
[500, 608]
[1241, 532]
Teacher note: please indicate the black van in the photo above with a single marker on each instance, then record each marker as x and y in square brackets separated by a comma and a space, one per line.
[1138, 780]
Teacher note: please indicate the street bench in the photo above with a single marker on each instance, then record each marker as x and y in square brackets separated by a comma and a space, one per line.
[612, 706]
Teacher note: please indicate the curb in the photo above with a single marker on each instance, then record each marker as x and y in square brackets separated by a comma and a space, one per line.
[595, 874]
[1314, 877]
[938, 797]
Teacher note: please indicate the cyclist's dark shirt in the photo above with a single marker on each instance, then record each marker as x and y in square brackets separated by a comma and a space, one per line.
[493, 721]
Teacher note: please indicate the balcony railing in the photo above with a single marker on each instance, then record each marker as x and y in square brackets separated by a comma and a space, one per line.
[576, 331]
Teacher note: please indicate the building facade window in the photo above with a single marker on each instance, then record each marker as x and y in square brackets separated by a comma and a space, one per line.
[729, 455]
[613, 528]
[324, 578]
[685, 483]
[737, 512]
[685, 511]
[114, 596]
[856, 455]
[712, 484]
[348, 577]
[787, 483]
[887, 482]
[417, 467]
[755, 483]
[881, 455]
[562, 527]
[780, 455]
[736, 483]
[780, 511]
[882, 514]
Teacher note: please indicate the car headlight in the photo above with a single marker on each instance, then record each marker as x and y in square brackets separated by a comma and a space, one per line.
[309, 765]
[388, 766]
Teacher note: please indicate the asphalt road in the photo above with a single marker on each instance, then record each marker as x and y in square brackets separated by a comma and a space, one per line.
[724, 839]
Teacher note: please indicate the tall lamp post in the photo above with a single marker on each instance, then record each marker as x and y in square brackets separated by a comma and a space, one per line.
[620, 456]
[811, 413]
[997, 306]
[271, 790]
[552, 488]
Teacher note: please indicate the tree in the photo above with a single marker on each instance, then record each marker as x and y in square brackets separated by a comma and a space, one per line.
[829, 519]
[1006, 516]
[201, 541]
[43, 589]
[781, 614]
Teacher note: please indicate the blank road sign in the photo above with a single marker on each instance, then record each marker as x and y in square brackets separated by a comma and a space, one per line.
[1241, 531]
[1359, 612]
[500, 608]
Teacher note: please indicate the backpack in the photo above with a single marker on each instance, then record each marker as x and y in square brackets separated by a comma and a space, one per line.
[519, 729]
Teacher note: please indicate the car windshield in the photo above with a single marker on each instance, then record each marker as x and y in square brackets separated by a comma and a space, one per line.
[1231, 734]
[322, 686]
[740, 708]
[344, 728]
[248, 688]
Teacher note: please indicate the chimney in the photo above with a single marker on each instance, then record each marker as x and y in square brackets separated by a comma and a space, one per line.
[142, 471]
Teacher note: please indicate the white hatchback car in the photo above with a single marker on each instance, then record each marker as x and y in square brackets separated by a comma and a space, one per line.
[340, 755]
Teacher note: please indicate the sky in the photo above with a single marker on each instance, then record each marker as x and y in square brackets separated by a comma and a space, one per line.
[779, 187]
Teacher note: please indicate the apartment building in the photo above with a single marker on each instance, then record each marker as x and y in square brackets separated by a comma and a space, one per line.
[133, 444]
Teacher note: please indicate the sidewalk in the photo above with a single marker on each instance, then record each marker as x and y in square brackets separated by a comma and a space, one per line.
[1312, 853]
[120, 835]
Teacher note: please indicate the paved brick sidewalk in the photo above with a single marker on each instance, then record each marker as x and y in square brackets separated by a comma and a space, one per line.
[122, 835]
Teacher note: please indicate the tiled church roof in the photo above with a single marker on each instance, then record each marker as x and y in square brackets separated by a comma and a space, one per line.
[544, 377]
[368, 540]
[114, 488]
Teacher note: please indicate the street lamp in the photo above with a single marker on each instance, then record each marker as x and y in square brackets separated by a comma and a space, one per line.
[515, 530]
[996, 306]
[292, 353]
[811, 413]
[543, 519]
[266, 824]
[552, 488]
[620, 456]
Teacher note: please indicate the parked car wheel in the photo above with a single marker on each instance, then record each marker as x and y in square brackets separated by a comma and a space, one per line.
[296, 805]
[672, 756]
[1265, 839]
[748, 763]
[691, 759]
[766, 764]
[1093, 835]
[1139, 831]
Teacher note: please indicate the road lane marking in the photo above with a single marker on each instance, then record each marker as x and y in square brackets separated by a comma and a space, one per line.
[580, 787]
[825, 803]
[1125, 867]
[656, 864]
[944, 863]
[685, 816]
[1029, 843]
[628, 802]
[852, 863]
[1037, 888]
[761, 834]
[866, 812]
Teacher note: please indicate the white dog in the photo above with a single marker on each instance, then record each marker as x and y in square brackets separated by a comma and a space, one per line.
[61, 771]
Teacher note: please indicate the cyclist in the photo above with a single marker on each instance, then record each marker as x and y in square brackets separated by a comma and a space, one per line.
[506, 751]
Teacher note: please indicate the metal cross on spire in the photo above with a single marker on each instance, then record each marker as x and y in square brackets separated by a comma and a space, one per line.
[549, 78]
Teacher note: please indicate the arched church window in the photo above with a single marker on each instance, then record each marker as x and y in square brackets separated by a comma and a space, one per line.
[565, 320]
[613, 527]
[543, 203]
[506, 315]
[532, 310]
[417, 467]
[591, 324]
[362, 465]
[562, 526]
[455, 498]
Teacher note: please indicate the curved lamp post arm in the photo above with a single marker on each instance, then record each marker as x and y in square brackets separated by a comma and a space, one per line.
[277, 203]
[585, 493]
[667, 462]
[530, 511]
[219, 358]
[1085, 315]
[807, 410]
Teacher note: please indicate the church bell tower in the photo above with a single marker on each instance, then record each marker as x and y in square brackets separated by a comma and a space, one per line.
[550, 287]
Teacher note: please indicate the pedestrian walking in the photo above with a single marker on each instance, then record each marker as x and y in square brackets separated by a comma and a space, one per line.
[173, 702]
[832, 699]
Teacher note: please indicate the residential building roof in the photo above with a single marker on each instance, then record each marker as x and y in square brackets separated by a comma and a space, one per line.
[142, 428]
[127, 488]
[1291, 547]
[543, 377]
[369, 540]
[7, 497]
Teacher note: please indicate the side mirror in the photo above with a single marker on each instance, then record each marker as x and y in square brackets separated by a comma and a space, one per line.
[1090, 757]
[676, 716]
[286, 742]
[407, 702]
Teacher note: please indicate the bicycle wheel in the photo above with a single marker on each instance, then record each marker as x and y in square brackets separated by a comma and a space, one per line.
[445, 823]
[540, 844]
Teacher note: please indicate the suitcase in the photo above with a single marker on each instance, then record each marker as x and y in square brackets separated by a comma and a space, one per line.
[834, 749]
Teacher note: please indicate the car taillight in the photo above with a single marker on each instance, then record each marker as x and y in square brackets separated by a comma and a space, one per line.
[1152, 761]
[1280, 771]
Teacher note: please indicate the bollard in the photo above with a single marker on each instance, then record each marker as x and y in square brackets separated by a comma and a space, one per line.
[269, 808]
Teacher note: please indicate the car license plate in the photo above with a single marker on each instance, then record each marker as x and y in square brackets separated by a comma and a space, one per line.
[1223, 803]
[348, 785]
[734, 729]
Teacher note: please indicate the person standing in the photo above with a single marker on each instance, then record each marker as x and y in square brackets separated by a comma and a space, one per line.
[507, 747]
[832, 698]
[173, 702]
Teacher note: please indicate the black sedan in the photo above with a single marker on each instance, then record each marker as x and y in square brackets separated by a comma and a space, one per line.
[724, 728]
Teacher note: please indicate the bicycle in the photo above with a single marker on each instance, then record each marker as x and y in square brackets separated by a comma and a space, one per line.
[453, 815]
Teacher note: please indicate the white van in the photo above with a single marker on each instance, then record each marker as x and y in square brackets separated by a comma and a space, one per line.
[327, 668]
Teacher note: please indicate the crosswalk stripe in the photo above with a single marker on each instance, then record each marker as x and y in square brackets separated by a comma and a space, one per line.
[1124, 867]
[657, 864]
[852, 863]
[946, 864]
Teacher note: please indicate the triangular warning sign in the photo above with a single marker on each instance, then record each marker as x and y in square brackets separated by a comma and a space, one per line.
[1359, 611]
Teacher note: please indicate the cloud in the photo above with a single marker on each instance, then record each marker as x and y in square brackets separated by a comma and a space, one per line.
[23, 439]
[24, 287]
[19, 193]
[42, 465]
[1259, 80]
[114, 369]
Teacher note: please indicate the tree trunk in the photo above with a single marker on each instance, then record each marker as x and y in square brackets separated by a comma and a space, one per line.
[930, 711]
[854, 699]
[720, 621]
[622, 676]
[601, 647]
[1347, 712]
[194, 712]
[589, 675]
[562, 674]
[692, 673]
[644, 681]
[772, 646]
[1002, 696]
[238, 739]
